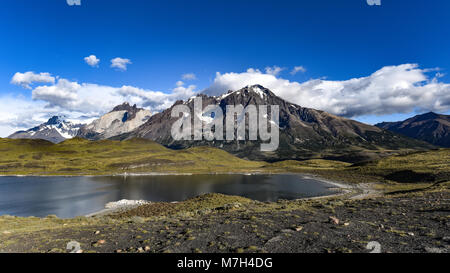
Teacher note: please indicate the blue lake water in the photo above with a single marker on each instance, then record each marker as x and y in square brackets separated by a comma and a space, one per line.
[68, 197]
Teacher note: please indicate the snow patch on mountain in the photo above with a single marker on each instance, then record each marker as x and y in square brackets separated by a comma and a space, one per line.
[56, 130]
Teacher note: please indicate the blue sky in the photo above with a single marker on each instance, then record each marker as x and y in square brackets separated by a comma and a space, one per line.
[333, 41]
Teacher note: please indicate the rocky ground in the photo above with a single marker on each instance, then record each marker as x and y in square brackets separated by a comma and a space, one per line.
[407, 221]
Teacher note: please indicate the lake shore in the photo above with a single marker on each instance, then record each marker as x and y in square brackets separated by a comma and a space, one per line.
[92, 193]
[412, 221]
[341, 189]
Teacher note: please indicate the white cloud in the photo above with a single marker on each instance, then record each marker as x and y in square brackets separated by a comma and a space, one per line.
[189, 77]
[60, 94]
[27, 78]
[392, 89]
[73, 2]
[156, 100]
[92, 60]
[274, 70]
[17, 113]
[79, 102]
[92, 99]
[120, 63]
[440, 75]
[298, 69]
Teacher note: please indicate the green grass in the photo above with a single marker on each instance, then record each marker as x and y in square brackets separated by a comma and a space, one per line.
[430, 161]
[311, 164]
[83, 157]
[413, 168]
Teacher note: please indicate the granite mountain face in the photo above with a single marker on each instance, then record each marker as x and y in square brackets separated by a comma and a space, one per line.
[56, 130]
[122, 119]
[304, 133]
[430, 127]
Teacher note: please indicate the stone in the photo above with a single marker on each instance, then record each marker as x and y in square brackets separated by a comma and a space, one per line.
[334, 220]
[434, 250]
[137, 220]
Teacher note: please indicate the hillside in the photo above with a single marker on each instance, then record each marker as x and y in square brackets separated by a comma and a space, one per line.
[79, 156]
[430, 127]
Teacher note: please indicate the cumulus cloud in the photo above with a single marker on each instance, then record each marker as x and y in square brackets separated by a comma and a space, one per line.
[298, 69]
[27, 78]
[274, 70]
[156, 100]
[120, 63]
[80, 102]
[73, 2]
[392, 89]
[17, 113]
[94, 99]
[60, 94]
[92, 60]
[189, 76]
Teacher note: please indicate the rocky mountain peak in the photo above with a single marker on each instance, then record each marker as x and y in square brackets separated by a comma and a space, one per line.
[56, 130]
[125, 107]
[426, 116]
[122, 119]
[55, 120]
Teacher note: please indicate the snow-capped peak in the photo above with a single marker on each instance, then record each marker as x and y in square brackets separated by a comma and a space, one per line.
[56, 129]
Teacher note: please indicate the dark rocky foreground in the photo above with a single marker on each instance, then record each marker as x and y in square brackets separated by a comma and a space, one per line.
[412, 222]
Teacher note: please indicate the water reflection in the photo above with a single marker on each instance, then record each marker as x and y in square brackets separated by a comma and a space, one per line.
[71, 196]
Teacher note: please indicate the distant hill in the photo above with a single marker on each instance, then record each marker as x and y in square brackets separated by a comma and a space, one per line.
[304, 133]
[55, 130]
[79, 156]
[430, 127]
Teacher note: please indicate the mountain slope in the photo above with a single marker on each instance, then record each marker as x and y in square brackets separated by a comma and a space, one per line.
[55, 130]
[304, 133]
[122, 119]
[430, 127]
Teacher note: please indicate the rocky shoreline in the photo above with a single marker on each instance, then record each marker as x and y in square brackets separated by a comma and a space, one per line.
[406, 221]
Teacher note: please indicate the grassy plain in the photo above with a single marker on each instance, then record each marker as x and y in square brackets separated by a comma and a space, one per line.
[82, 157]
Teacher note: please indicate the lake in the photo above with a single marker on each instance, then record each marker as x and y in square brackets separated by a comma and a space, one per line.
[68, 197]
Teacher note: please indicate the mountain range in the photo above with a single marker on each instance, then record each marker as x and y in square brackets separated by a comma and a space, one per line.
[305, 133]
[122, 119]
[430, 127]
